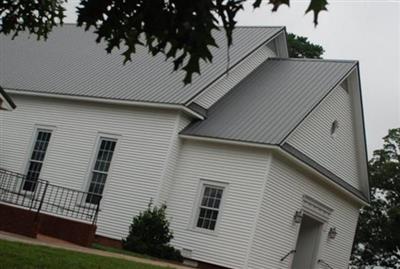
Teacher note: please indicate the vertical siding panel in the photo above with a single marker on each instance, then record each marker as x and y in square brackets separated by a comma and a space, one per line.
[137, 164]
[243, 169]
[276, 234]
[313, 138]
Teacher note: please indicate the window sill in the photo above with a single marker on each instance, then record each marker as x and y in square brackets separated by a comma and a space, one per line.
[203, 231]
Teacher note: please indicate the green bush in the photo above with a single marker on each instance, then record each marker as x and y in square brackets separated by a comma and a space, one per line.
[149, 234]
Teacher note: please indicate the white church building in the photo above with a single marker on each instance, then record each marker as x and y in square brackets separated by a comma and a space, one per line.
[263, 166]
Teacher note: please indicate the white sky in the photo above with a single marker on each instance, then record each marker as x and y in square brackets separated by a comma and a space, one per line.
[368, 31]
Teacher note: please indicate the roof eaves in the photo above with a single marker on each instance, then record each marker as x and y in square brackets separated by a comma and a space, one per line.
[316, 60]
[363, 129]
[227, 140]
[188, 110]
[304, 158]
[288, 149]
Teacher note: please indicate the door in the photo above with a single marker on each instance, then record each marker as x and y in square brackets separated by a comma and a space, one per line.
[307, 244]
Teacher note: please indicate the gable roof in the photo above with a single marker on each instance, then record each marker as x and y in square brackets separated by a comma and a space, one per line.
[269, 103]
[265, 107]
[70, 62]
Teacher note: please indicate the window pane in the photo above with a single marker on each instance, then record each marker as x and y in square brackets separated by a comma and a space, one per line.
[36, 160]
[206, 223]
[213, 192]
[202, 213]
[219, 194]
[214, 215]
[209, 206]
[204, 201]
[212, 224]
[216, 203]
[100, 170]
[200, 222]
[104, 155]
[40, 147]
[207, 191]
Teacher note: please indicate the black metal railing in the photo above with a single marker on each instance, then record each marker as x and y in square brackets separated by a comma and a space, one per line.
[41, 196]
[288, 254]
[325, 264]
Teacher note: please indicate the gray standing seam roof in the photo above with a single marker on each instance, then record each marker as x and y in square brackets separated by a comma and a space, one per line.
[270, 102]
[70, 62]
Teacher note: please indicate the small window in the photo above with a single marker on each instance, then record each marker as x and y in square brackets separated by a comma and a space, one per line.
[36, 159]
[100, 169]
[209, 207]
[334, 128]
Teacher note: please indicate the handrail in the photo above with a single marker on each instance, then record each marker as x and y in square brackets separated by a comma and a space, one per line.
[288, 254]
[325, 263]
[41, 196]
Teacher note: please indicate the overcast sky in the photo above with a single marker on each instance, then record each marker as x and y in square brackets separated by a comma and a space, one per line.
[368, 31]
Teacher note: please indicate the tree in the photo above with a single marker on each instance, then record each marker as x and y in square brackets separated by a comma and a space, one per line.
[377, 241]
[149, 234]
[300, 47]
[179, 29]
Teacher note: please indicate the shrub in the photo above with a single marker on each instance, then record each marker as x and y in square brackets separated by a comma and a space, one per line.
[149, 234]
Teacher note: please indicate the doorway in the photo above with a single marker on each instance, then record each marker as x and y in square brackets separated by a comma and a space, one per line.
[307, 243]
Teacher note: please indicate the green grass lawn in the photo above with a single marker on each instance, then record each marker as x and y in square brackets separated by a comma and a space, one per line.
[122, 251]
[15, 255]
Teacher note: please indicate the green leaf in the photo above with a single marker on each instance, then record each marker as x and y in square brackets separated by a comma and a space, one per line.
[277, 3]
[316, 6]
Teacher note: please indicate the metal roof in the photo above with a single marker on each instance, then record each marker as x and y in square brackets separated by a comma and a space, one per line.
[269, 103]
[70, 62]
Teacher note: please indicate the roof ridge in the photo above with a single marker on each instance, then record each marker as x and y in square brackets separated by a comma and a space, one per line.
[237, 26]
[259, 26]
[313, 60]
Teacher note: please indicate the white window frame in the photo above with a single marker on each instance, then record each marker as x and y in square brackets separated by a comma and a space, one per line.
[203, 183]
[92, 163]
[28, 156]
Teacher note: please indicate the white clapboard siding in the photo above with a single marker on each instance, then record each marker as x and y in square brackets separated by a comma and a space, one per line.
[336, 153]
[244, 170]
[137, 165]
[276, 233]
[237, 74]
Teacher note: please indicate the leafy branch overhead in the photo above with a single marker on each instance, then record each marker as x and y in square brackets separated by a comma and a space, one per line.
[179, 29]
